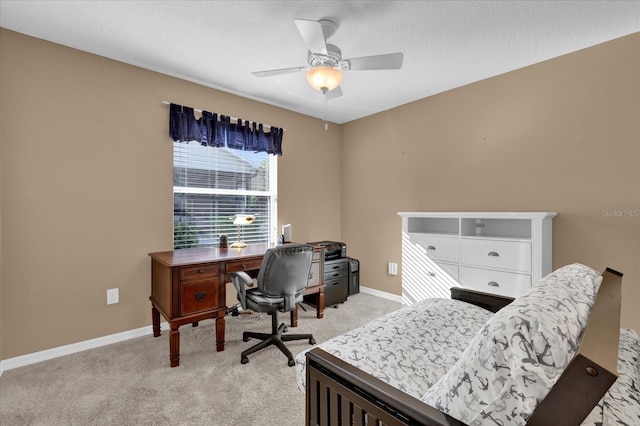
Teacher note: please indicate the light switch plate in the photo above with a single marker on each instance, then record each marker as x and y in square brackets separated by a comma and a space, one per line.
[392, 268]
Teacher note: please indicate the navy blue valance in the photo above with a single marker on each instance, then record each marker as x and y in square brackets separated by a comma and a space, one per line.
[218, 131]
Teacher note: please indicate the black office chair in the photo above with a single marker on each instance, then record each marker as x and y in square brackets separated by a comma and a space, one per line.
[282, 278]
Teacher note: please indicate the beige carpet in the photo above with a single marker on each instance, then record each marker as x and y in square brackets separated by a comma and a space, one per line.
[131, 383]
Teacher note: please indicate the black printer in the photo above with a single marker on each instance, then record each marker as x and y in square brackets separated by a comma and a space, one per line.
[332, 249]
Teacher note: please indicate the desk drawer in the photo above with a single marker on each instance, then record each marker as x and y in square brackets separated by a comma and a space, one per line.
[336, 291]
[335, 269]
[244, 265]
[199, 296]
[200, 272]
[335, 265]
[314, 275]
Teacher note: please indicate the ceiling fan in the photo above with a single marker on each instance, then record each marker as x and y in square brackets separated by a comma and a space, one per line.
[325, 63]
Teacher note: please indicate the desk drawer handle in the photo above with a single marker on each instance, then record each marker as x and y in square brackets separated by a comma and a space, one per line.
[200, 271]
[493, 284]
[199, 296]
[431, 248]
[493, 254]
[243, 266]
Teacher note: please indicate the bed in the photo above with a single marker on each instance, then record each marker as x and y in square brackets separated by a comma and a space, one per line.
[555, 355]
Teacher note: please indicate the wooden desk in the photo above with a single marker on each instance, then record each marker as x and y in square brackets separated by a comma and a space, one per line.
[188, 286]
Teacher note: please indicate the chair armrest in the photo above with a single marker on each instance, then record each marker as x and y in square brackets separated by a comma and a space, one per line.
[240, 281]
[489, 301]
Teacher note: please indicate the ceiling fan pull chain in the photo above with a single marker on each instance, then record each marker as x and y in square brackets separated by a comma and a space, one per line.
[324, 116]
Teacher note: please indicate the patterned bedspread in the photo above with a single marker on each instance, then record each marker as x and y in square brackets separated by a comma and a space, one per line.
[410, 348]
[414, 346]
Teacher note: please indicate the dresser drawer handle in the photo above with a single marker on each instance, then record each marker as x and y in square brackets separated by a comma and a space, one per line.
[200, 271]
[493, 254]
[199, 296]
[431, 248]
[493, 284]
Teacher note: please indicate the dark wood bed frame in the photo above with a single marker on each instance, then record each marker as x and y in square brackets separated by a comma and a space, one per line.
[339, 394]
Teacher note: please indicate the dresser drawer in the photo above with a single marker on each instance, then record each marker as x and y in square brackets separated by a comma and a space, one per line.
[511, 255]
[441, 276]
[441, 269]
[244, 265]
[200, 272]
[504, 283]
[437, 247]
[198, 296]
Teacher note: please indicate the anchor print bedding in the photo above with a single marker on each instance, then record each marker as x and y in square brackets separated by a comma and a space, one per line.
[410, 348]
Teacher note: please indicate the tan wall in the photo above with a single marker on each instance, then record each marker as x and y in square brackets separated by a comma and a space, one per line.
[84, 201]
[563, 136]
[87, 187]
[1, 240]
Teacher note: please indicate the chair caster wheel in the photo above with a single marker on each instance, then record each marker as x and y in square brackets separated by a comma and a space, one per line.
[245, 339]
[284, 330]
[312, 341]
[291, 363]
[244, 360]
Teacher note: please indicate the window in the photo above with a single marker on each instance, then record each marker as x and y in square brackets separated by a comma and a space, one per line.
[210, 185]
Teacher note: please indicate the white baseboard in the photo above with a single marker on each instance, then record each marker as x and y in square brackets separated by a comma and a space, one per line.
[383, 294]
[32, 358]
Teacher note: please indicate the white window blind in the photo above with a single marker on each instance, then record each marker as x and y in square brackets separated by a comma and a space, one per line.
[210, 185]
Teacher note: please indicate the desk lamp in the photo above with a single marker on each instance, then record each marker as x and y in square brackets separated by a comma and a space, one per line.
[240, 220]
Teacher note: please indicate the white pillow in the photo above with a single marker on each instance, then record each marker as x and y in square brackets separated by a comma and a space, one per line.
[515, 359]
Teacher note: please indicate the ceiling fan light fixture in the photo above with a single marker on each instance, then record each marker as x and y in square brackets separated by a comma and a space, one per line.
[326, 78]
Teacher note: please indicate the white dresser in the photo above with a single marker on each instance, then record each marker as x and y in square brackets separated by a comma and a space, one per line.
[497, 252]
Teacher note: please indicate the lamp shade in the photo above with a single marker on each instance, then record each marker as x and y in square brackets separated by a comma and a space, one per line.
[324, 78]
[243, 219]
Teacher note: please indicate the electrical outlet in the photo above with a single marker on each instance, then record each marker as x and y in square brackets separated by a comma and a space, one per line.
[113, 296]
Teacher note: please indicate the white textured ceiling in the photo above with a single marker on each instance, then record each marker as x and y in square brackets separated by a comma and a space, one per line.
[446, 44]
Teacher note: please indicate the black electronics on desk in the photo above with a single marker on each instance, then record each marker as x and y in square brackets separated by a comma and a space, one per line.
[336, 272]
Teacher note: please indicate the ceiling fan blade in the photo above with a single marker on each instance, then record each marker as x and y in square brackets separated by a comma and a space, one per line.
[312, 34]
[390, 61]
[335, 93]
[270, 73]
